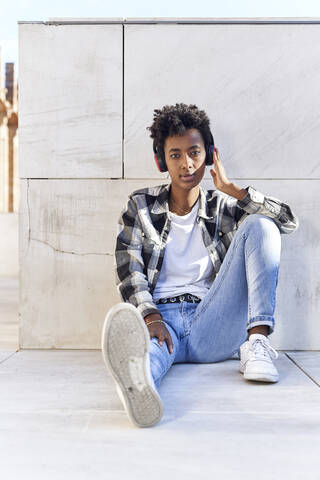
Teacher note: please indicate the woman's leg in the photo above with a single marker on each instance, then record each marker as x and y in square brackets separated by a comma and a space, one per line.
[242, 295]
[160, 358]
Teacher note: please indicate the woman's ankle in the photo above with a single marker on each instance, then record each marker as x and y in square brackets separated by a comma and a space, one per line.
[263, 329]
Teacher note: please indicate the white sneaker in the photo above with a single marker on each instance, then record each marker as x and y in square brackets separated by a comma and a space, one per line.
[256, 359]
[125, 350]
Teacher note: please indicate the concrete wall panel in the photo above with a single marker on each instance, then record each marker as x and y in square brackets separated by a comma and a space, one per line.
[67, 279]
[298, 291]
[259, 84]
[70, 101]
[67, 240]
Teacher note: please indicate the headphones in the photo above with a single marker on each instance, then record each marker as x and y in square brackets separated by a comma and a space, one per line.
[160, 157]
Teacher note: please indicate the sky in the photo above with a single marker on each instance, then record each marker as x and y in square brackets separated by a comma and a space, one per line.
[40, 10]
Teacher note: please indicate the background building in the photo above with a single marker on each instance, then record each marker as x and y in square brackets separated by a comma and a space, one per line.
[9, 172]
[9, 176]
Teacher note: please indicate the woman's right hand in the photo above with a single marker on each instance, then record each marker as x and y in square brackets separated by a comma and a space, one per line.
[159, 330]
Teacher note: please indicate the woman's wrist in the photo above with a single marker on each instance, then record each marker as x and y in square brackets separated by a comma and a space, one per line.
[152, 317]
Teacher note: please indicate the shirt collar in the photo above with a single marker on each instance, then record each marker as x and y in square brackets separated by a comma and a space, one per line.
[161, 205]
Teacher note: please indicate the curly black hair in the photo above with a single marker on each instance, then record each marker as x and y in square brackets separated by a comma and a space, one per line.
[175, 120]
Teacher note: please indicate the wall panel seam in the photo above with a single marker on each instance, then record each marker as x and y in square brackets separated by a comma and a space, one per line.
[122, 143]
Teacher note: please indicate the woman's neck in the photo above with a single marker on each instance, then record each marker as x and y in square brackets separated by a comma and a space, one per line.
[182, 201]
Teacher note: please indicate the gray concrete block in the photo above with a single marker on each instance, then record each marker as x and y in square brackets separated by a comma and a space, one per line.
[67, 279]
[67, 240]
[297, 300]
[70, 94]
[258, 86]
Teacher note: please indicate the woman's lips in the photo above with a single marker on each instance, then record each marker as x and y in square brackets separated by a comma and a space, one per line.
[187, 178]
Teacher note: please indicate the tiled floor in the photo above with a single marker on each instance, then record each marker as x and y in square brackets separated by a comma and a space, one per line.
[61, 418]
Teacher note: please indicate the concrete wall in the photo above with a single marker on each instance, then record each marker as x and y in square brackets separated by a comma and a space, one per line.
[84, 147]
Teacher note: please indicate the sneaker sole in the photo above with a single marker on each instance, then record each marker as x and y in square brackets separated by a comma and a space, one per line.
[261, 377]
[125, 349]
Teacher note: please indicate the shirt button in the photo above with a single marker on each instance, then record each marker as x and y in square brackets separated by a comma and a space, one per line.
[220, 234]
[257, 197]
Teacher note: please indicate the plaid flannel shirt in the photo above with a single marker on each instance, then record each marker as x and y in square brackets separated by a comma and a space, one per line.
[144, 225]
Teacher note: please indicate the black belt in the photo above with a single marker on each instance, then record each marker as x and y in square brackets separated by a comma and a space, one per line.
[186, 297]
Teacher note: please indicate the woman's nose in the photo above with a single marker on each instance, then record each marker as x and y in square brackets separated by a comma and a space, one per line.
[188, 161]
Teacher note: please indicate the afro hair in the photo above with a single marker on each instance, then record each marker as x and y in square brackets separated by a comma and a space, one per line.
[175, 120]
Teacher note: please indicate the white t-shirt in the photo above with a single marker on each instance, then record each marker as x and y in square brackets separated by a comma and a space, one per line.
[186, 266]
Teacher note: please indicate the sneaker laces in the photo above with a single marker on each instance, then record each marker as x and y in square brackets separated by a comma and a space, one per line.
[263, 349]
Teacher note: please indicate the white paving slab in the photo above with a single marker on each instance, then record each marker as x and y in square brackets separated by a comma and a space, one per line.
[61, 416]
[49, 379]
[309, 362]
[4, 355]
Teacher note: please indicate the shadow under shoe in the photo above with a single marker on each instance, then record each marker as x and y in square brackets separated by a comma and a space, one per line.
[125, 349]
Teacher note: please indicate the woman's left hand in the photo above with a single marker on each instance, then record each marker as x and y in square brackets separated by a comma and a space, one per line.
[219, 175]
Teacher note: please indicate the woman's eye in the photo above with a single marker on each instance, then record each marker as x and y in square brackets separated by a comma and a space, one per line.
[176, 155]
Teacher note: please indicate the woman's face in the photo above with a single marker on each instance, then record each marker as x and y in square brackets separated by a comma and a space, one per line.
[185, 158]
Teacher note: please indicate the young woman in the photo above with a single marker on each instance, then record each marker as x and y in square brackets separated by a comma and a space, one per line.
[197, 269]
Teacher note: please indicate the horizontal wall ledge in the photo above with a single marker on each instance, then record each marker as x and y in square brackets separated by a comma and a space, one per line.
[178, 20]
[242, 179]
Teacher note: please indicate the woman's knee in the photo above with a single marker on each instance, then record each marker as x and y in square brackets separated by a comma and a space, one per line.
[262, 231]
[263, 223]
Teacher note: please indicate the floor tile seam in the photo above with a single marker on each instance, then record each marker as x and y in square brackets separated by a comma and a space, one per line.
[302, 369]
[58, 412]
[298, 351]
[7, 358]
[253, 412]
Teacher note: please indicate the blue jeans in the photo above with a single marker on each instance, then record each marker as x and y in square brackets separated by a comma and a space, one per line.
[242, 296]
